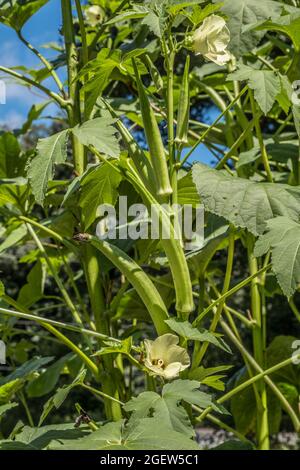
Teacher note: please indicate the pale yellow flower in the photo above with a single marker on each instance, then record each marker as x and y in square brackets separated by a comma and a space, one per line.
[94, 15]
[164, 357]
[211, 40]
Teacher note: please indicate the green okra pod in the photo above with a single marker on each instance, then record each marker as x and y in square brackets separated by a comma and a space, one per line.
[154, 140]
[183, 113]
[137, 277]
[155, 75]
[141, 161]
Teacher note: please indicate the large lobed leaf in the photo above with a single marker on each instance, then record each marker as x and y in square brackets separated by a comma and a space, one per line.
[241, 14]
[99, 133]
[99, 186]
[265, 83]
[283, 238]
[244, 203]
[16, 13]
[50, 152]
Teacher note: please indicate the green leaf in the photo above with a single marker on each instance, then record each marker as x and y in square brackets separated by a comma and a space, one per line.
[60, 396]
[123, 347]
[279, 349]
[2, 289]
[25, 369]
[5, 408]
[287, 24]
[209, 377]
[34, 114]
[187, 192]
[12, 162]
[187, 331]
[283, 238]
[243, 408]
[167, 411]
[234, 444]
[244, 203]
[13, 237]
[46, 382]
[137, 12]
[33, 290]
[265, 83]
[154, 23]
[187, 390]
[168, 407]
[148, 434]
[18, 12]
[40, 437]
[51, 151]
[242, 13]
[99, 133]
[99, 186]
[8, 390]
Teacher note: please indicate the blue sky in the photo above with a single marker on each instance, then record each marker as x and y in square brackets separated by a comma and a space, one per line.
[42, 28]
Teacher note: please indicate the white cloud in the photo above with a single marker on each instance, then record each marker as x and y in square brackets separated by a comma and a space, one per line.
[12, 120]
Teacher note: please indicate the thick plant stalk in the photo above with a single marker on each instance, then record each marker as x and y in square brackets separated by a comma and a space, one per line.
[154, 140]
[90, 262]
[137, 277]
[74, 112]
[96, 294]
[259, 350]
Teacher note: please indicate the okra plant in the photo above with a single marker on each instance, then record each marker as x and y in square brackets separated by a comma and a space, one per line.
[161, 334]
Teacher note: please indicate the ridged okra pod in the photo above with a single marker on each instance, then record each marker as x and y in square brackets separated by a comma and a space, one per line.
[183, 113]
[137, 278]
[155, 75]
[173, 249]
[154, 140]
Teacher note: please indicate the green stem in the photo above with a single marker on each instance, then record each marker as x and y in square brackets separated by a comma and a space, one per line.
[264, 155]
[213, 125]
[51, 233]
[59, 283]
[26, 408]
[232, 291]
[263, 374]
[294, 309]
[199, 354]
[73, 84]
[101, 394]
[48, 325]
[223, 425]
[44, 61]
[258, 346]
[66, 326]
[37, 85]
[246, 132]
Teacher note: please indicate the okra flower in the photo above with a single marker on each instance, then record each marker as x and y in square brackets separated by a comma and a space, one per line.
[164, 357]
[94, 15]
[211, 40]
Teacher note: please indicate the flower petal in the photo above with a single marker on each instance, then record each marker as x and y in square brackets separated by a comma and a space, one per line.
[161, 345]
[172, 370]
[177, 354]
